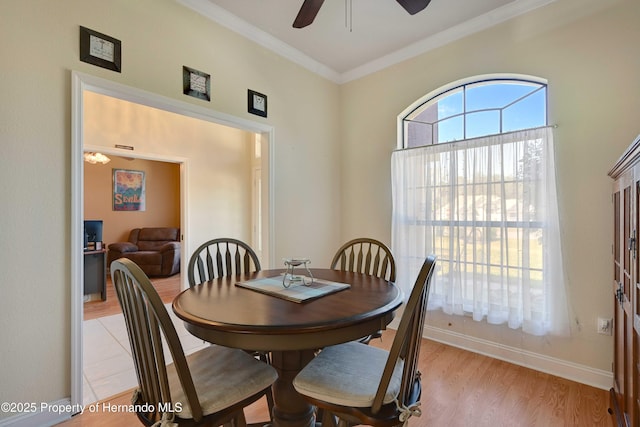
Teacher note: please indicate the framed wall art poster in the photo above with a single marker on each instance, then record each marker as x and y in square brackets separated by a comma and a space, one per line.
[128, 190]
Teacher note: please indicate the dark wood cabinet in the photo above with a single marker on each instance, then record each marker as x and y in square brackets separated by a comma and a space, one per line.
[95, 273]
[625, 287]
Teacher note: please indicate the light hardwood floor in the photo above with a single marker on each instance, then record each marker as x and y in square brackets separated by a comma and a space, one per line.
[460, 388]
[167, 287]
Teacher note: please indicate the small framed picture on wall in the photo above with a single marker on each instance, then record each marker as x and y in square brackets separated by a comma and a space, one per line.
[100, 49]
[196, 83]
[257, 103]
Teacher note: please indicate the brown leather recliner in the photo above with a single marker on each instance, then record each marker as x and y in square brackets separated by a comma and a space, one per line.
[156, 250]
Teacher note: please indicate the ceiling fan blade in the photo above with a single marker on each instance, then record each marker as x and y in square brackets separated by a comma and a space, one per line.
[414, 6]
[307, 13]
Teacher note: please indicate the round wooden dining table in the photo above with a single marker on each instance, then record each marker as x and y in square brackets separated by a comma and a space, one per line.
[222, 313]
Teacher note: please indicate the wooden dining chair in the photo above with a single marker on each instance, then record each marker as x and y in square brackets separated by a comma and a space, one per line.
[385, 391]
[226, 257]
[209, 387]
[366, 256]
[219, 258]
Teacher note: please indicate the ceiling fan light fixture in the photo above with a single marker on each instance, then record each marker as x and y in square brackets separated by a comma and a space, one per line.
[310, 9]
[94, 158]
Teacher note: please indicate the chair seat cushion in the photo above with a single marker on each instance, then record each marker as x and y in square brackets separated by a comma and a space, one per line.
[348, 375]
[222, 377]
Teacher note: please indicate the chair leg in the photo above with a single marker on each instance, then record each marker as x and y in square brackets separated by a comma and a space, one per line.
[270, 403]
[328, 419]
[238, 421]
[265, 357]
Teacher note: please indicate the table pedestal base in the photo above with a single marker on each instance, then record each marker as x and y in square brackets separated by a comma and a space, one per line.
[290, 409]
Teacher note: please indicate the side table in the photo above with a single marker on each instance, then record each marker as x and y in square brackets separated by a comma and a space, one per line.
[95, 273]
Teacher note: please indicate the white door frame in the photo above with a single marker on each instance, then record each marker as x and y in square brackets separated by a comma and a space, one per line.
[84, 82]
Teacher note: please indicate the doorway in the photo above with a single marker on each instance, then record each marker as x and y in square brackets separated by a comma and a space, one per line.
[191, 217]
[106, 359]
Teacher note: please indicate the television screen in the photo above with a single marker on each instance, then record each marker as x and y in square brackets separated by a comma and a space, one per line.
[92, 232]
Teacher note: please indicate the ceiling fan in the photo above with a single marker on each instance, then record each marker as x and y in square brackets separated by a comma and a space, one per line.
[310, 9]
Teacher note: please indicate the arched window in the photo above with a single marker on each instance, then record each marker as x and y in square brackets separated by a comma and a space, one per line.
[479, 108]
[474, 183]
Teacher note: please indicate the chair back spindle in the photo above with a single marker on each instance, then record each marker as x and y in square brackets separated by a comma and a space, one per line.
[220, 258]
[365, 256]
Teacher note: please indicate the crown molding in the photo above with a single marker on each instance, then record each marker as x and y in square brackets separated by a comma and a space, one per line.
[482, 22]
[445, 37]
[264, 39]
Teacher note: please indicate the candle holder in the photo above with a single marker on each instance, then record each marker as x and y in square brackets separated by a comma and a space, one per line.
[290, 276]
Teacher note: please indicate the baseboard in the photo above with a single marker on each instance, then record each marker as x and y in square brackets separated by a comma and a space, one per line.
[45, 414]
[561, 368]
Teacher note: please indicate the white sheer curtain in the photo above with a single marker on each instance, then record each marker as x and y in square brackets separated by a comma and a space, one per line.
[487, 207]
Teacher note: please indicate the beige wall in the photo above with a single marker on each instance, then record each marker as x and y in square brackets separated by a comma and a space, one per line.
[332, 149]
[162, 197]
[39, 47]
[588, 51]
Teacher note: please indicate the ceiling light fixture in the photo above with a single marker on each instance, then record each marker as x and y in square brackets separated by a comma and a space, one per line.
[93, 158]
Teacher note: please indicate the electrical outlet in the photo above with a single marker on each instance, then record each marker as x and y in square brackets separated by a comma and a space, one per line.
[605, 326]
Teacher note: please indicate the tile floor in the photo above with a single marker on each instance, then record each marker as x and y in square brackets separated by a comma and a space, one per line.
[108, 367]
